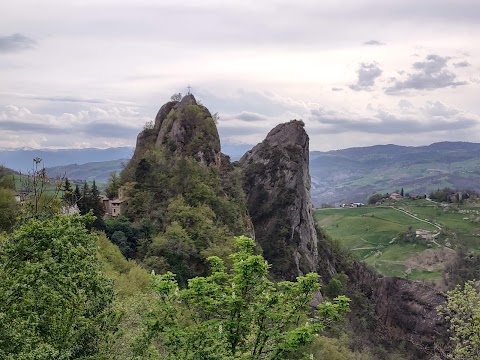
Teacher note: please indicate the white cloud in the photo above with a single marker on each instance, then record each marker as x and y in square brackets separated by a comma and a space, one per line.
[256, 63]
[95, 126]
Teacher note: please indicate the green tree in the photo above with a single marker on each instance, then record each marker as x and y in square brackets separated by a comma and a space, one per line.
[78, 195]
[43, 200]
[8, 205]
[90, 200]
[83, 203]
[113, 185]
[68, 193]
[238, 315]
[54, 301]
[462, 313]
[372, 200]
[8, 209]
[96, 206]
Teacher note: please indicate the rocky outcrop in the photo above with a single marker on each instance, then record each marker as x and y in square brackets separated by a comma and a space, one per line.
[181, 128]
[277, 186]
[189, 130]
[405, 311]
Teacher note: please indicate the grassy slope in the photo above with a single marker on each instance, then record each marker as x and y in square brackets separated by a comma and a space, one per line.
[369, 233]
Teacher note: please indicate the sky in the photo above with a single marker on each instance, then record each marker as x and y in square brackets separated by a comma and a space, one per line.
[91, 73]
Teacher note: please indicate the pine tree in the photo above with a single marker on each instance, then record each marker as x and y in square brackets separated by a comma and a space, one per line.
[77, 195]
[84, 202]
[96, 206]
[401, 193]
[68, 194]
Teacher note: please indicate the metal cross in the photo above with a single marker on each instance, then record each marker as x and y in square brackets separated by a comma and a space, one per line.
[188, 87]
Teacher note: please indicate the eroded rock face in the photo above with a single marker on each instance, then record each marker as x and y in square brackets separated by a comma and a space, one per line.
[277, 186]
[404, 310]
[189, 130]
[182, 128]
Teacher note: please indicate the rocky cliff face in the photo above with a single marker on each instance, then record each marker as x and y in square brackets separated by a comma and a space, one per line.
[405, 311]
[188, 129]
[182, 128]
[277, 186]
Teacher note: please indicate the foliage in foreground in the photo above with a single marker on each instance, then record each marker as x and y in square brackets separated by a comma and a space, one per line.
[55, 303]
[237, 315]
[462, 312]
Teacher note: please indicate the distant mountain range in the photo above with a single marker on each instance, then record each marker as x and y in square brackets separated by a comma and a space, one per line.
[22, 159]
[352, 175]
[98, 171]
[339, 176]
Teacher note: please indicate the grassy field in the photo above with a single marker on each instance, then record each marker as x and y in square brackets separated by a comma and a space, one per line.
[372, 234]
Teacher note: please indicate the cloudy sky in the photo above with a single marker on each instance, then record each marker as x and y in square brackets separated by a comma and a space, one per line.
[91, 73]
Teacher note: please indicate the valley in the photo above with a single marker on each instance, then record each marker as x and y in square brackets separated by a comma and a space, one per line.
[413, 239]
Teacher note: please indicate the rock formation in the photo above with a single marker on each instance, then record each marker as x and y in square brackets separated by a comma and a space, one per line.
[277, 186]
[276, 183]
[189, 129]
[404, 310]
[183, 128]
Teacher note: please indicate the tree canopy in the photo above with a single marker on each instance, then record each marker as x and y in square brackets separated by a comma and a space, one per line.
[55, 303]
[239, 314]
[462, 313]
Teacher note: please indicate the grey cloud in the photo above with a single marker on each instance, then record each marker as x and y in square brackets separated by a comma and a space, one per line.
[95, 129]
[249, 116]
[432, 74]
[433, 117]
[432, 64]
[15, 42]
[244, 131]
[68, 99]
[464, 11]
[118, 124]
[405, 104]
[289, 24]
[337, 89]
[374, 43]
[241, 100]
[436, 108]
[462, 64]
[108, 130]
[26, 126]
[367, 73]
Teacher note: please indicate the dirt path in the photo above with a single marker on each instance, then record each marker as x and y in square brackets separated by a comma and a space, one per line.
[417, 218]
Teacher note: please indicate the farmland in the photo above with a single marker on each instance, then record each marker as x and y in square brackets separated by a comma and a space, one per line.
[375, 234]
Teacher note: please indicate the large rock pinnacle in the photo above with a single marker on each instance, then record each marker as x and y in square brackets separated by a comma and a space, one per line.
[277, 186]
[189, 129]
[181, 128]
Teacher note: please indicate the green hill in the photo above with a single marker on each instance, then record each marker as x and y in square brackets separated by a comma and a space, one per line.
[384, 237]
[98, 171]
[351, 175]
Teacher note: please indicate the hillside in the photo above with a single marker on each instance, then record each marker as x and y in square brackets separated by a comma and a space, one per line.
[98, 171]
[379, 235]
[21, 159]
[351, 175]
[348, 175]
